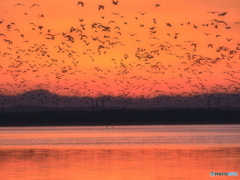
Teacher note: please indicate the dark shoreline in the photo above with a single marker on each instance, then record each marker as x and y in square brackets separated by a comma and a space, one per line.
[116, 117]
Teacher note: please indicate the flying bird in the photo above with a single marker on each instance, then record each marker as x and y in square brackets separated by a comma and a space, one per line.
[100, 7]
[212, 12]
[142, 13]
[34, 5]
[222, 14]
[131, 34]
[206, 33]
[168, 24]
[80, 3]
[19, 4]
[32, 24]
[115, 2]
[229, 39]
[40, 27]
[210, 45]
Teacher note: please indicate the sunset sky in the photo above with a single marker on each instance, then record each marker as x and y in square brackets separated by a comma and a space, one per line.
[120, 48]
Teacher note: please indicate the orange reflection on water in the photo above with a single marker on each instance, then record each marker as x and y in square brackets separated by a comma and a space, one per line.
[118, 163]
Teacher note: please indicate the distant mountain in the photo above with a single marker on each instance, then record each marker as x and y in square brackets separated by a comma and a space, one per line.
[38, 92]
[43, 100]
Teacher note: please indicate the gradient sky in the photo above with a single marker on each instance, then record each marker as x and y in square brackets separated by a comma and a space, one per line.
[132, 49]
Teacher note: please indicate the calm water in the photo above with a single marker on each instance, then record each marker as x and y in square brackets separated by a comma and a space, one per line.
[119, 152]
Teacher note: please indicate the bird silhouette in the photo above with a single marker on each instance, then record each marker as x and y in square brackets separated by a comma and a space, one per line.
[168, 24]
[115, 2]
[206, 34]
[80, 3]
[222, 14]
[34, 5]
[100, 7]
[142, 13]
[131, 34]
[212, 12]
[19, 4]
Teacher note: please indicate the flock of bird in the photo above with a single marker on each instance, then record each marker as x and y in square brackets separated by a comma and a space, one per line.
[119, 54]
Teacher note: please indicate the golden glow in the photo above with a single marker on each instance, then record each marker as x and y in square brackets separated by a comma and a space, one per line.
[117, 163]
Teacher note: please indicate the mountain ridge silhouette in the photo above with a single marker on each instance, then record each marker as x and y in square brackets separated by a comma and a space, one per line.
[44, 100]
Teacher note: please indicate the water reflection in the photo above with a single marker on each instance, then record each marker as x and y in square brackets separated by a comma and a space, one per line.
[118, 163]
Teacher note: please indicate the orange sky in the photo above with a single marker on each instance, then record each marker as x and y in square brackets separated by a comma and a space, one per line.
[132, 51]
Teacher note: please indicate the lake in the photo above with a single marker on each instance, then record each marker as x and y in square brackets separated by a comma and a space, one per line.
[174, 152]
